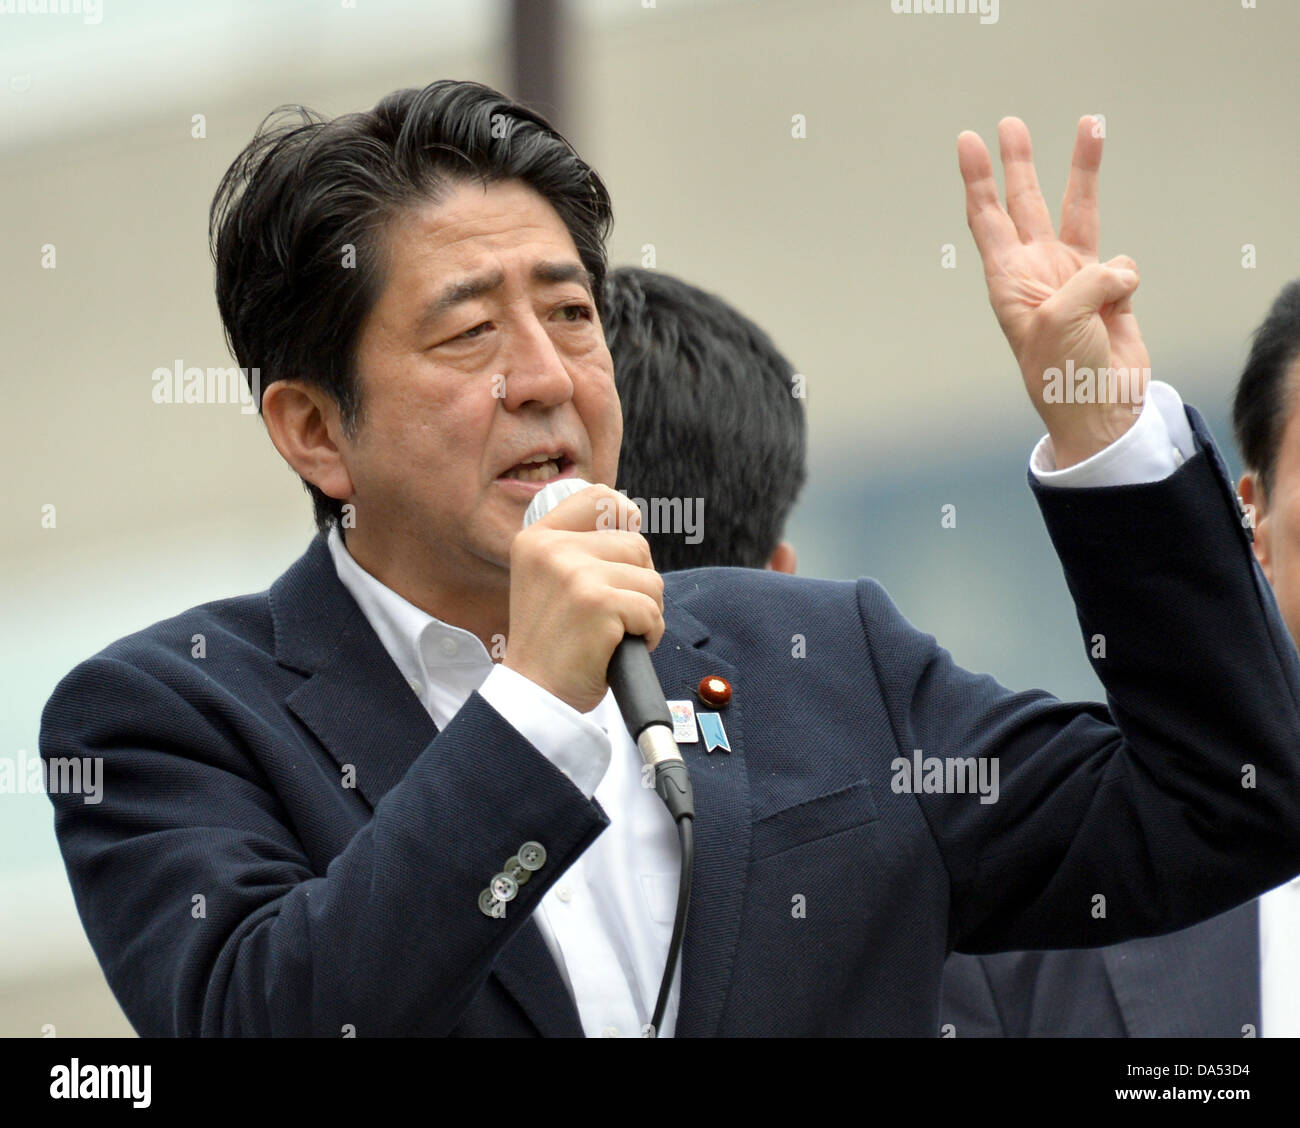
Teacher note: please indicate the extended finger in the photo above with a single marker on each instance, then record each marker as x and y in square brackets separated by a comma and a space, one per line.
[1080, 213]
[1025, 201]
[989, 222]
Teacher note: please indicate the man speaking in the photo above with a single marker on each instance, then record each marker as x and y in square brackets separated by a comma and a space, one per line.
[306, 830]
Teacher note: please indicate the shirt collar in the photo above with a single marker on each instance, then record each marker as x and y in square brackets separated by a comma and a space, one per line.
[418, 643]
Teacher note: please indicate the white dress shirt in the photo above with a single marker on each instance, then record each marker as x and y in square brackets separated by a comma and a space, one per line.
[1279, 961]
[607, 921]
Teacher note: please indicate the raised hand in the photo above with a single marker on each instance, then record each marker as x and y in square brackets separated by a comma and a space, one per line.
[1055, 301]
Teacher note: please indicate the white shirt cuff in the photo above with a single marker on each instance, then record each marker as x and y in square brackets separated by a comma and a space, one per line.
[1149, 451]
[574, 743]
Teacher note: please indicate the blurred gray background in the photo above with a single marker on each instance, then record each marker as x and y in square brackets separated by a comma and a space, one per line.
[833, 242]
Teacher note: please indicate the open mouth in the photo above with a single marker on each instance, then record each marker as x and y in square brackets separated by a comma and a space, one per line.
[539, 468]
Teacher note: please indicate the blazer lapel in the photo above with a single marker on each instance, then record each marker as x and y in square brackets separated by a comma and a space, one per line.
[524, 968]
[1200, 982]
[360, 708]
[722, 826]
[355, 700]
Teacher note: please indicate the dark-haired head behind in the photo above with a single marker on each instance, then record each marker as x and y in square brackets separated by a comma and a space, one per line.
[298, 222]
[1267, 427]
[711, 410]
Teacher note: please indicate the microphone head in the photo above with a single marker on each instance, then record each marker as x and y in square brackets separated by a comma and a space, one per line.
[548, 497]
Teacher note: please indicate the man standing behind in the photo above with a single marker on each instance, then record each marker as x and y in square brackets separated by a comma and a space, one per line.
[1235, 974]
[711, 411]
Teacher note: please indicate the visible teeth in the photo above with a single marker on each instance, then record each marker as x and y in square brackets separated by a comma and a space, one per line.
[539, 472]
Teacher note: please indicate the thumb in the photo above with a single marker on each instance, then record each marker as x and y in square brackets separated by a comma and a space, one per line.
[1123, 262]
[1091, 288]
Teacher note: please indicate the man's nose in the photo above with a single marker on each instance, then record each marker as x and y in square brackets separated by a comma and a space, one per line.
[534, 371]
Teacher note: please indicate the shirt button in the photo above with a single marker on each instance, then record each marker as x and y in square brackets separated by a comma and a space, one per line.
[609, 1032]
[564, 893]
[448, 646]
[416, 687]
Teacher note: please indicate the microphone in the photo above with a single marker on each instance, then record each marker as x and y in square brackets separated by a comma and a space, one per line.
[640, 697]
[632, 677]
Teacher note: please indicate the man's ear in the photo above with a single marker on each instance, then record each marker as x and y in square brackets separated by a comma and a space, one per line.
[1251, 490]
[306, 428]
[782, 559]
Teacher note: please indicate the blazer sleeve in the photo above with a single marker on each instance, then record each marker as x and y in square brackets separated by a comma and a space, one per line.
[1180, 801]
[190, 867]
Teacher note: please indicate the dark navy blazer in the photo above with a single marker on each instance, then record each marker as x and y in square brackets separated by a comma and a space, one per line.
[1200, 982]
[824, 901]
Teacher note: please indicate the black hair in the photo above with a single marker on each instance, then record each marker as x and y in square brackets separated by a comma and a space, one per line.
[1262, 402]
[308, 198]
[711, 410]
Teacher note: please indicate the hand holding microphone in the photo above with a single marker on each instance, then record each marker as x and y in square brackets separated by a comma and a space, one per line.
[577, 588]
[588, 606]
[592, 591]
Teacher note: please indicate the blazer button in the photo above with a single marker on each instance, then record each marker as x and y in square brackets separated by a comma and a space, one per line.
[490, 906]
[515, 868]
[504, 887]
[532, 855]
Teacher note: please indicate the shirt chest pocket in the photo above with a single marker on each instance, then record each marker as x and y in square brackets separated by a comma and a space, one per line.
[814, 820]
[660, 892]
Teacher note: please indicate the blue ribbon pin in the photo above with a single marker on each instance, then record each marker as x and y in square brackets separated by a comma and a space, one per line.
[715, 736]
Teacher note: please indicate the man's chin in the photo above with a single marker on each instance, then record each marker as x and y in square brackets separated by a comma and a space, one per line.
[494, 553]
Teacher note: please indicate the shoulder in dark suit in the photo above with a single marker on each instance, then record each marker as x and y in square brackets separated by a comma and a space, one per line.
[326, 905]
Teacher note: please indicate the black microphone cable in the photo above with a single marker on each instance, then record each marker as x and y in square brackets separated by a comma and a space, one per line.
[641, 701]
[686, 836]
[632, 677]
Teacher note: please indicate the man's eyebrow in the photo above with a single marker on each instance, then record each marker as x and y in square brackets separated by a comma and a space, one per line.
[563, 272]
[467, 289]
